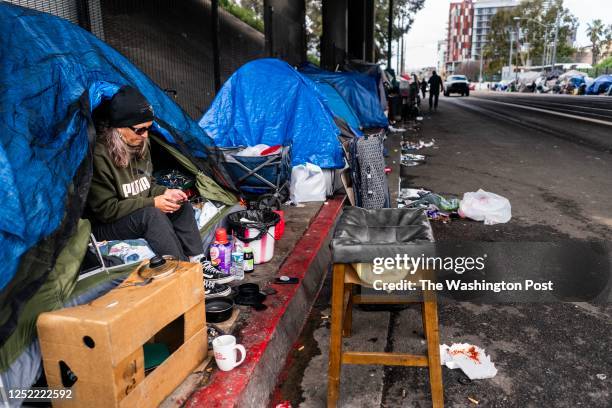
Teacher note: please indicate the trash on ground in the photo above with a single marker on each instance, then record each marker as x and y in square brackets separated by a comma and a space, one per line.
[471, 359]
[442, 203]
[412, 193]
[473, 401]
[408, 145]
[414, 157]
[602, 376]
[484, 206]
[396, 130]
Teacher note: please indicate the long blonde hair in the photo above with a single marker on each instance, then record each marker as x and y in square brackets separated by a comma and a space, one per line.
[120, 152]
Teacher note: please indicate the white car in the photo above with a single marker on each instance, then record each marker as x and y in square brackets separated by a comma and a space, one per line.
[457, 84]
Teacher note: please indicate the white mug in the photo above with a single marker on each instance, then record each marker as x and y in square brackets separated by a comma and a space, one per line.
[225, 349]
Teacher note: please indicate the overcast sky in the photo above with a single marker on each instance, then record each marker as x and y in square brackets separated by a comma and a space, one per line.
[429, 27]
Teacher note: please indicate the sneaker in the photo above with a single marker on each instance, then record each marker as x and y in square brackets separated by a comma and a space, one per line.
[213, 274]
[213, 290]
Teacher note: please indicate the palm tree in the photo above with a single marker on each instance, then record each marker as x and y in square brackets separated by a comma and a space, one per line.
[595, 30]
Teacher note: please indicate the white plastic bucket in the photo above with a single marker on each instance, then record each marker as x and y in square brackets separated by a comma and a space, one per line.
[263, 248]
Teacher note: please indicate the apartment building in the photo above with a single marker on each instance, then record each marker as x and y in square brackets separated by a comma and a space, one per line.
[484, 10]
[469, 23]
[459, 36]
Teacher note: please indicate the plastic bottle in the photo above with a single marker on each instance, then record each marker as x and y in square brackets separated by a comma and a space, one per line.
[237, 265]
[221, 251]
[249, 260]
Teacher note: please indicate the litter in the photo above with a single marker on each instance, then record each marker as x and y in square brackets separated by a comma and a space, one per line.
[601, 376]
[472, 360]
[412, 193]
[307, 183]
[451, 204]
[396, 130]
[413, 157]
[408, 145]
[484, 206]
[472, 400]
[409, 163]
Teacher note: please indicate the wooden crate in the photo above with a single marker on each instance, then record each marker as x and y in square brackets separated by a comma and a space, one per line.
[102, 342]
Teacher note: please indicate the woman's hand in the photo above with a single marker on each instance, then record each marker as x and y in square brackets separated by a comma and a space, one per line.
[166, 204]
[175, 195]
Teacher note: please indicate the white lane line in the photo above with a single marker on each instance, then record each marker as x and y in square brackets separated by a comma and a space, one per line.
[565, 115]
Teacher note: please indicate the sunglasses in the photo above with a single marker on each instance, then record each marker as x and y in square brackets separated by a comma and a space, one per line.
[140, 131]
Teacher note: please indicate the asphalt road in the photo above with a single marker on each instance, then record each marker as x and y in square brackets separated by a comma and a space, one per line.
[556, 173]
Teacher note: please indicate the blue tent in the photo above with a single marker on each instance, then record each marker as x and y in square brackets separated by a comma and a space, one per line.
[339, 107]
[360, 91]
[267, 101]
[600, 85]
[52, 75]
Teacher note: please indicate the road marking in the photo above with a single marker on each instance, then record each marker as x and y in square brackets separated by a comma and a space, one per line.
[565, 115]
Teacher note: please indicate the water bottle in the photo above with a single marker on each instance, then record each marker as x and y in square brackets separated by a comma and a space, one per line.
[237, 265]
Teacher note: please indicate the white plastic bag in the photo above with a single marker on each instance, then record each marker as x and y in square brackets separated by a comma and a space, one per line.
[484, 206]
[307, 183]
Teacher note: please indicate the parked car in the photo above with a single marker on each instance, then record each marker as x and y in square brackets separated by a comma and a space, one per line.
[457, 84]
[472, 86]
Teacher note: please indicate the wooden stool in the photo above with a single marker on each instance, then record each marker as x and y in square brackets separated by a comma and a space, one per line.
[343, 280]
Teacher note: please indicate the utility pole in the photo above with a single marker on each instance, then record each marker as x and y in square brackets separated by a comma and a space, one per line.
[403, 63]
[480, 78]
[518, 46]
[511, 44]
[554, 55]
[390, 34]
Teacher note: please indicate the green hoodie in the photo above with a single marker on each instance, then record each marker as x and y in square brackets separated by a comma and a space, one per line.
[116, 192]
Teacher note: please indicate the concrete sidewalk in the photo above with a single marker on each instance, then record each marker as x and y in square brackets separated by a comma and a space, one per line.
[267, 335]
[548, 355]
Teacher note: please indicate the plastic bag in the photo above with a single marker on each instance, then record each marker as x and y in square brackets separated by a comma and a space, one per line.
[307, 183]
[484, 206]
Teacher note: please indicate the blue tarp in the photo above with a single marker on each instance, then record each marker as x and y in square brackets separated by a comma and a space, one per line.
[600, 85]
[338, 106]
[46, 63]
[267, 101]
[360, 91]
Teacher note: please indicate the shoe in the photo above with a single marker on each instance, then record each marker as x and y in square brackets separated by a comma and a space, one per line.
[213, 290]
[212, 274]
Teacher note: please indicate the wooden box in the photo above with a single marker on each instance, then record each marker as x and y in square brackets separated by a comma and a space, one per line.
[101, 343]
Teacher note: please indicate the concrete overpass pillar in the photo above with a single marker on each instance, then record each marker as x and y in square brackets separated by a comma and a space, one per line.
[370, 18]
[334, 40]
[285, 29]
[361, 29]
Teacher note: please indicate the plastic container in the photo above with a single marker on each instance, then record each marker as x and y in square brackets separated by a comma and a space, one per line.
[221, 251]
[255, 229]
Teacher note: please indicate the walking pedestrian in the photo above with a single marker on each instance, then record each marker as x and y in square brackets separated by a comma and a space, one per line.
[435, 85]
[424, 87]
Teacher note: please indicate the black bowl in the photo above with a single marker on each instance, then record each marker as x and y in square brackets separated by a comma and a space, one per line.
[219, 309]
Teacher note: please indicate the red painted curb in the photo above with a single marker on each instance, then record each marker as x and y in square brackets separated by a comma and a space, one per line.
[225, 388]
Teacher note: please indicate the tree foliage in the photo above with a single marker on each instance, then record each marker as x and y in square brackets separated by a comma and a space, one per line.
[600, 37]
[244, 13]
[405, 8]
[537, 28]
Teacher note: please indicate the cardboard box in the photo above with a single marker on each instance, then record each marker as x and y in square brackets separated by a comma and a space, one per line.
[102, 342]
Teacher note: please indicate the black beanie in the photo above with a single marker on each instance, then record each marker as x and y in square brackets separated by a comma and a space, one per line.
[129, 107]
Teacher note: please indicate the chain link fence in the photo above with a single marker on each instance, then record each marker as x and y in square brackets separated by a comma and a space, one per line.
[169, 40]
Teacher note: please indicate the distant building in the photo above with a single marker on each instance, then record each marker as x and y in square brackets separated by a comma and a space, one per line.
[484, 10]
[442, 50]
[459, 36]
[469, 24]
